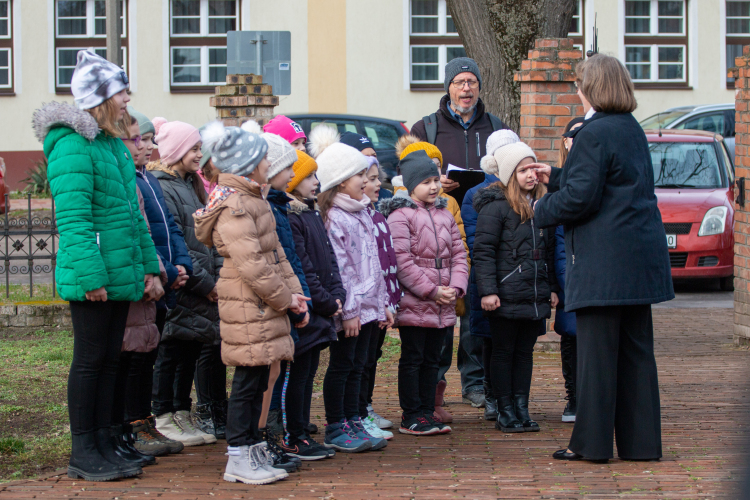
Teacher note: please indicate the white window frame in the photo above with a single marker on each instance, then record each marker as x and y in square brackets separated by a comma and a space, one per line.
[728, 18]
[654, 63]
[580, 21]
[10, 68]
[442, 61]
[204, 17]
[92, 49]
[442, 17]
[204, 66]
[654, 20]
[9, 19]
[91, 22]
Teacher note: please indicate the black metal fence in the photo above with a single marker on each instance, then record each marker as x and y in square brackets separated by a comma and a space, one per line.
[29, 245]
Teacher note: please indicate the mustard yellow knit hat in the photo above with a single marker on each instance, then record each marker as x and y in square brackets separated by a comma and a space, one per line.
[431, 150]
[303, 167]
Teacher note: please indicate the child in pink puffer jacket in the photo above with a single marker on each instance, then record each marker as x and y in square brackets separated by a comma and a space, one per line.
[433, 273]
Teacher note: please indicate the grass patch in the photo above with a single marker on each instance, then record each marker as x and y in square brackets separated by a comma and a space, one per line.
[34, 437]
[20, 294]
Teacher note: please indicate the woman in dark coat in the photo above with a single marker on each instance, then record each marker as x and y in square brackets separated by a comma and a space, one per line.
[617, 266]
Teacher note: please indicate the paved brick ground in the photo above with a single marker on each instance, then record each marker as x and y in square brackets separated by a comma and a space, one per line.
[704, 410]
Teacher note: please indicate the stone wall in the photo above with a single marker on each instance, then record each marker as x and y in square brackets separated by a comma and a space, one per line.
[244, 98]
[35, 315]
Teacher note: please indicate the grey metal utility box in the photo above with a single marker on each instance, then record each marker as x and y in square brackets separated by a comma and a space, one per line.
[265, 53]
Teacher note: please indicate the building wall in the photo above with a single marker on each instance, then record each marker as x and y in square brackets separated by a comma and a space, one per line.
[348, 56]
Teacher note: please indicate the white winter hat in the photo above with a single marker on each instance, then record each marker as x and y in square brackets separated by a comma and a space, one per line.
[337, 162]
[504, 161]
[95, 80]
[500, 138]
[280, 154]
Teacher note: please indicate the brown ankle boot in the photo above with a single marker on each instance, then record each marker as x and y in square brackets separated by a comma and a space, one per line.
[440, 413]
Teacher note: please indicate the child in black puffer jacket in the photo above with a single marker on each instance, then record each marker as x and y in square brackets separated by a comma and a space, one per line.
[514, 267]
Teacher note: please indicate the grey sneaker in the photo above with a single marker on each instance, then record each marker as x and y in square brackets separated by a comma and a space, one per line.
[381, 422]
[474, 398]
[249, 467]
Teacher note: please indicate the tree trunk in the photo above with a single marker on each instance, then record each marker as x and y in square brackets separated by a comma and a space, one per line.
[498, 35]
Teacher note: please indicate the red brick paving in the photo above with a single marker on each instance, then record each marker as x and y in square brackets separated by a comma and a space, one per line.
[704, 409]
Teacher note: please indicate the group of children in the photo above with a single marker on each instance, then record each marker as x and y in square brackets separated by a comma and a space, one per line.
[273, 248]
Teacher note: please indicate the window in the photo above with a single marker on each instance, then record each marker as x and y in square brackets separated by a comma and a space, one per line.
[82, 25]
[738, 32]
[656, 43]
[66, 62]
[198, 42]
[433, 42]
[576, 26]
[381, 135]
[6, 48]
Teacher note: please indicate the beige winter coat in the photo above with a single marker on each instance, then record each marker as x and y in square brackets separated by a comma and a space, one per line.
[256, 283]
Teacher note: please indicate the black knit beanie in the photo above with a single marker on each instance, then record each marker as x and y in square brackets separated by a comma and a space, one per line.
[416, 167]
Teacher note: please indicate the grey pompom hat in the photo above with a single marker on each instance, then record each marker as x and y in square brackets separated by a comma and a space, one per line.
[95, 80]
[236, 151]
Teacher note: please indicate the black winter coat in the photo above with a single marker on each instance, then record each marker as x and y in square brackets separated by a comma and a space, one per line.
[615, 245]
[512, 259]
[459, 147]
[194, 317]
[321, 272]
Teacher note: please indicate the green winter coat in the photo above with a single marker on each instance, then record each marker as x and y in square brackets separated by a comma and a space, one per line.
[104, 240]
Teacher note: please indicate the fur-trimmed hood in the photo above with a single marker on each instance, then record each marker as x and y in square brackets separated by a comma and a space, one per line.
[486, 196]
[297, 207]
[158, 166]
[61, 114]
[402, 200]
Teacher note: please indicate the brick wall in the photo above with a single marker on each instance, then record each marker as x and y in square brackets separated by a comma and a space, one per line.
[548, 95]
[244, 98]
[741, 74]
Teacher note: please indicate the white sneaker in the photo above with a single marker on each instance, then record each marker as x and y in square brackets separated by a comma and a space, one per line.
[265, 455]
[249, 467]
[382, 423]
[184, 419]
[371, 427]
[172, 429]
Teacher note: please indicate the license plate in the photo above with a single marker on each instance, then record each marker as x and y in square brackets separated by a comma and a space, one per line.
[671, 241]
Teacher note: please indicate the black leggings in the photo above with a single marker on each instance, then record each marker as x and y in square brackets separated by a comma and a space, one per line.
[418, 368]
[210, 375]
[372, 364]
[141, 378]
[301, 375]
[173, 375]
[342, 382]
[245, 404]
[513, 355]
[98, 329]
[487, 364]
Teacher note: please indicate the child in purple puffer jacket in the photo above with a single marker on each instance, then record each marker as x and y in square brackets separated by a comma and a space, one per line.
[388, 264]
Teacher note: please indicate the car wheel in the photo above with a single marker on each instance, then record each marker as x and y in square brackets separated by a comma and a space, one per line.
[727, 284]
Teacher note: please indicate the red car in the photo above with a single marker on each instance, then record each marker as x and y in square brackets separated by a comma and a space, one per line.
[694, 181]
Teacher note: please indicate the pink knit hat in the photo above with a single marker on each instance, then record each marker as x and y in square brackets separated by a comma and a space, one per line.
[286, 128]
[174, 139]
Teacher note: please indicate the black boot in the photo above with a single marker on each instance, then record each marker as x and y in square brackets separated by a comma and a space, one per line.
[105, 445]
[506, 416]
[569, 358]
[490, 408]
[87, 463]
[125, 449]
[219, 417]
[203, 418]
[276, 421]
[280, 459]
[522, 413]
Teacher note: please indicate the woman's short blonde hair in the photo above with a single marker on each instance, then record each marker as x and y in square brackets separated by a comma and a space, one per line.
[606, 84]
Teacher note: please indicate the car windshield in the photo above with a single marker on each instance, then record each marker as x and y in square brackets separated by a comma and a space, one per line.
[661, 120]
[685, 165]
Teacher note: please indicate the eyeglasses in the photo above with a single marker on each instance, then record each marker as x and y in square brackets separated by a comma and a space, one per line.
[460, 84]
[136, 140]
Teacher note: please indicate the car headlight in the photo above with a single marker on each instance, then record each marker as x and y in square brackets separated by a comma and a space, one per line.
[713, 222]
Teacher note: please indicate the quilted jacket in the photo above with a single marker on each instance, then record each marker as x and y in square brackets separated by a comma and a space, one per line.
[387, 256]
[430, 253]
[257, 282]
[104, 241]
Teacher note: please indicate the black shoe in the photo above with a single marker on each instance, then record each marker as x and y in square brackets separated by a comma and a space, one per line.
[202, 418]
[490, 408]
[443, 427]
[521, 402]
[564, 454]
[273, 443]
[275, 421]
[506, 416]
[305, 448]
[125, 449]
[219, 417]
[311, 428]
[87, 463]
[283, 462]
[569, 414]
[105, 445]
[418, 426]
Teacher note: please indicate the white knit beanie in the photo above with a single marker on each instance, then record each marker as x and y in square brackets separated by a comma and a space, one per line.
[280, 154]
[500, 138]
[95, 80]
[504, 161]
[337, 162]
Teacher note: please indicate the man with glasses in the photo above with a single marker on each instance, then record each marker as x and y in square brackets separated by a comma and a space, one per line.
[460, 129]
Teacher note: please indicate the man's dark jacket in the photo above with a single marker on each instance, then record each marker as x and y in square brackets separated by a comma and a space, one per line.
[459, 147]
[615, 245]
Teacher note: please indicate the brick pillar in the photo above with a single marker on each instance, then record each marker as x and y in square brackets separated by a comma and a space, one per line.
[244, 98]
[548, 95]
[741, 73]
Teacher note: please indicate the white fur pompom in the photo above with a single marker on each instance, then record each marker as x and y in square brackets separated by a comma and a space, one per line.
[252, 126]
[213, 133]
[489, 165]
[321, 137]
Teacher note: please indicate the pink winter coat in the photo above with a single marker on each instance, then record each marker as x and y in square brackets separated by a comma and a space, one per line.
[429, 253]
